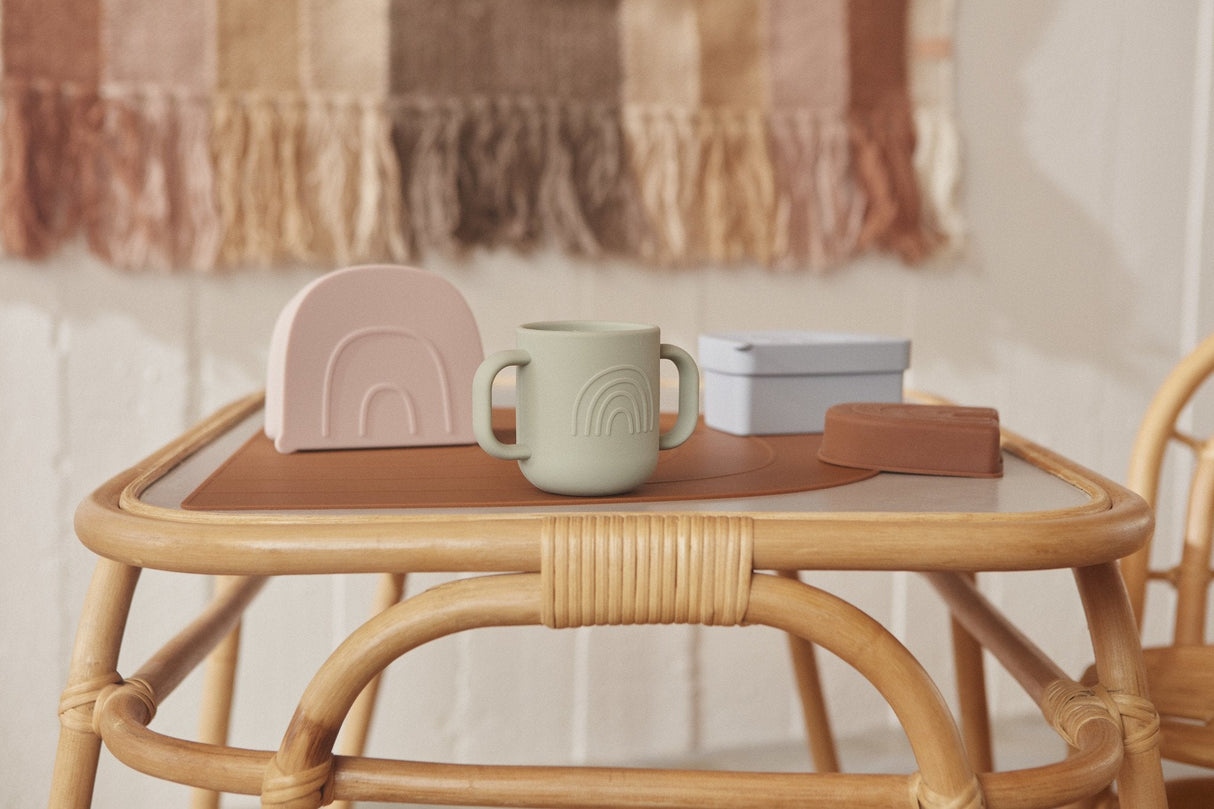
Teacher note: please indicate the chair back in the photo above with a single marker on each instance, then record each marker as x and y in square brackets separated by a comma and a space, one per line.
[1191, 575]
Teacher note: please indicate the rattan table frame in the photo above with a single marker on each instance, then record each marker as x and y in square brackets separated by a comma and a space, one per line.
[696, 562]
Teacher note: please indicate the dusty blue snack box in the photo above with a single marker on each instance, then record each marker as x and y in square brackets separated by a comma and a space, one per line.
[770, 382]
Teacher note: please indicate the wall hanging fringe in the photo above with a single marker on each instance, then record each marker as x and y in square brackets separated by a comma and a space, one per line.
[675, 132]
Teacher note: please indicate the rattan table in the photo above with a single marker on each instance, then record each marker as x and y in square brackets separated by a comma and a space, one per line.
[697, 561]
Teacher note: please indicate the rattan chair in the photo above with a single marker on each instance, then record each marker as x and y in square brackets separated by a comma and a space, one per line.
[1181, 674]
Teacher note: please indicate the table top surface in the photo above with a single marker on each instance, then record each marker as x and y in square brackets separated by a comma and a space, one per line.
[1044, 512]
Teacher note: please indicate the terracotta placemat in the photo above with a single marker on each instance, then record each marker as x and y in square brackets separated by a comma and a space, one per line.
[711, 464]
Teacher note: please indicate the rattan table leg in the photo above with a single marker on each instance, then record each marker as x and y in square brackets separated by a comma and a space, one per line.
[1121, 672]
[822, 748]
[358, 724]
[971, 696]
[122, 711]
[93, 669]
[1117, 708]
[217, 689]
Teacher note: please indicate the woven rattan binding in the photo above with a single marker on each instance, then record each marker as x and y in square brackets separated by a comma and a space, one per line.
[637, 569]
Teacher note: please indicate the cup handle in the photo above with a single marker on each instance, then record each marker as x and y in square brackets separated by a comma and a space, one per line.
[482, 405]
[689, 397]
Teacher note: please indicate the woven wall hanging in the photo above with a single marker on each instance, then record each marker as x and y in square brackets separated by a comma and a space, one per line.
[223, 133]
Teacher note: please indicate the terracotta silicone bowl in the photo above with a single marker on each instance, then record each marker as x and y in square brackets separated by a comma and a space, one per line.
[921, 439]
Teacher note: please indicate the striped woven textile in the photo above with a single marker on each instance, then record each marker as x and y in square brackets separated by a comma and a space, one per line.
[223, 133]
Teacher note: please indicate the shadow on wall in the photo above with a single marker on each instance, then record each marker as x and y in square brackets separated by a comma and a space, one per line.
[89, 301]
[1041, 218]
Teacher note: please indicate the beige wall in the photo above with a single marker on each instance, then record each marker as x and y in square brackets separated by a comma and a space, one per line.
[1087, 273]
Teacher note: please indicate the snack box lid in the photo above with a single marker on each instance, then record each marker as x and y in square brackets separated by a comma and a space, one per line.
[794, 353]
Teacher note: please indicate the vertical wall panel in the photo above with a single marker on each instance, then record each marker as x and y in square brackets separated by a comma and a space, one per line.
[517, 695]
[637, 700]
[745, 687]
[235, 316]
[32, 647]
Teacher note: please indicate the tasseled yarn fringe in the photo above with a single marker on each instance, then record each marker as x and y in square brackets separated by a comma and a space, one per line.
[306, 181]
[156, 205]
[160, 179]
[883, 141]
[48, 184]
[508, 173]
[937, 166]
